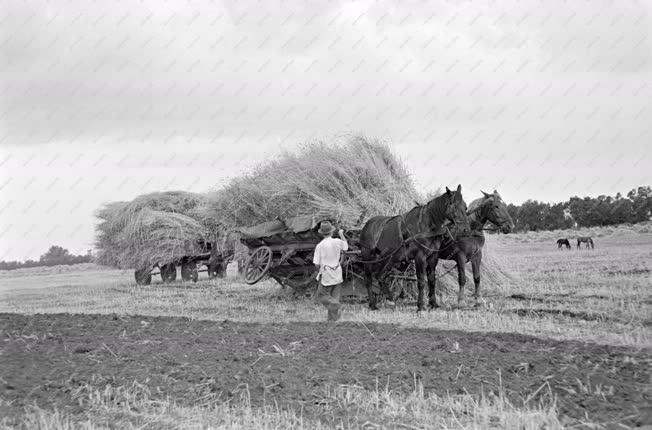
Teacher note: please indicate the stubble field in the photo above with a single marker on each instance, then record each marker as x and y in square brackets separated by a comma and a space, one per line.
[565, 342]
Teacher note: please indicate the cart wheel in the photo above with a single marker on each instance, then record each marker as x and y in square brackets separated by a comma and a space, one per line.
[257, 265]
[189, 272]
[169, 272]
[143, 276]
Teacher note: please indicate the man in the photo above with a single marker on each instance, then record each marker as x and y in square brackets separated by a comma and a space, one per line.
[327, 258]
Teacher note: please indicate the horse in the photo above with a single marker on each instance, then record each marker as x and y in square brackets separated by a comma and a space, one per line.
[563, 242]
[585, 239]
[465, 247]
[390, 241]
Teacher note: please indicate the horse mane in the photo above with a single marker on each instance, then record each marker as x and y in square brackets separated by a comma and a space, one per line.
[475, 204]
[435, 208]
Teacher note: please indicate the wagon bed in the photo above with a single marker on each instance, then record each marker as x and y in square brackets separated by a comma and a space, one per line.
[284, 249]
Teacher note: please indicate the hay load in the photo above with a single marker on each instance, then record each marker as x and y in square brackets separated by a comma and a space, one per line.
[152, 228]
[348, 183]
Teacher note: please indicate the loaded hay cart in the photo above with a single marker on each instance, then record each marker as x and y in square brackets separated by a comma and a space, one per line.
[211, 257]
[283, 251]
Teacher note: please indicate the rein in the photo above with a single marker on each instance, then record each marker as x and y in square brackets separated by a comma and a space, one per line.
[408, 240]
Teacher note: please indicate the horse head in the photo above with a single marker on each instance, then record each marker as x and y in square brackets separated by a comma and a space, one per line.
[494, 209]
[456, 209]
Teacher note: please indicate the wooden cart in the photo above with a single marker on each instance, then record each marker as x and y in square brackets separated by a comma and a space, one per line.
[283, 251]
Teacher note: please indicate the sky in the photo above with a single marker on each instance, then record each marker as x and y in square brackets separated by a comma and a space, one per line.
[103, 102]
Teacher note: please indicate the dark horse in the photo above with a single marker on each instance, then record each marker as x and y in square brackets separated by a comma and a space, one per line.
[389, 241]
[563, 242]
[463, 247]
[585, 239]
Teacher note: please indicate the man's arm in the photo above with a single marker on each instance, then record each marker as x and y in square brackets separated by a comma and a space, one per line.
[316, 259]
[345, 244]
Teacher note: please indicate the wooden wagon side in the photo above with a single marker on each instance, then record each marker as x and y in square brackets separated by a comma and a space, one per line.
[282, 251]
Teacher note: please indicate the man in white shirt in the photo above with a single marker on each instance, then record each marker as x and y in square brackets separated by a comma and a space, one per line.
[327, 258]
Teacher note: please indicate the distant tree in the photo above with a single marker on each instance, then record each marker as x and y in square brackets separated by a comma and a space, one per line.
[531, 215]
[56, 255]
[621, 211]
[554, 217]
[513, 212]
[641, 199]
[581, 210]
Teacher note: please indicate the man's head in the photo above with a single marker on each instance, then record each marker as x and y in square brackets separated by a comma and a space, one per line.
[326, 229]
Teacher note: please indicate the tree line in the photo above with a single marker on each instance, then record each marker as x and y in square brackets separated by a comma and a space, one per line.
[55, 256]
[603, 210]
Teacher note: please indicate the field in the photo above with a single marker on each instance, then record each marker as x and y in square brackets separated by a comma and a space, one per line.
[565, 342]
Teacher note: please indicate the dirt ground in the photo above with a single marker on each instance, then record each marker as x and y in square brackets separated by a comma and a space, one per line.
[53, 360]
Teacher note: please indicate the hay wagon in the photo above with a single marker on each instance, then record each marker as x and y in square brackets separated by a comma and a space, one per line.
[213, 262]
[283, 251]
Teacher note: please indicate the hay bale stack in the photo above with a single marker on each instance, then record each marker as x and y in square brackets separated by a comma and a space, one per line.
[348, 183]
[153, 228]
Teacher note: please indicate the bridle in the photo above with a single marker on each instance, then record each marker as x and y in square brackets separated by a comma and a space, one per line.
[497, 225]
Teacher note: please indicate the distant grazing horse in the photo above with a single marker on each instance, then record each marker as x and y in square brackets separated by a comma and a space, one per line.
[585, 239]
[465, 247]
[563, 242]
[389, 241]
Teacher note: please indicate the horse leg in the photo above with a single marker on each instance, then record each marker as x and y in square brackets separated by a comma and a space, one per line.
[461, 276]
[368, 279]
[475, 265]
[432, 283]
[389, 294]
[422, 275]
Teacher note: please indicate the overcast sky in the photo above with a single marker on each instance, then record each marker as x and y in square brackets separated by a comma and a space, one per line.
[102, 102]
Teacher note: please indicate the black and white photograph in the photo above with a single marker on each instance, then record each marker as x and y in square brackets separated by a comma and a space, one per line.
[325, 214]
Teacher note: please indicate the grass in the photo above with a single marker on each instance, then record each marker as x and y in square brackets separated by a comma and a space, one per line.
[601, 296]
[130, 407]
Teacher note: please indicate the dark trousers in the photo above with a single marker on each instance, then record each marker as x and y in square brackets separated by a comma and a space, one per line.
[329, 296]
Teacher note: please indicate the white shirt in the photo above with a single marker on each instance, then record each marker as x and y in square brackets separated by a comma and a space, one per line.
[327, 257]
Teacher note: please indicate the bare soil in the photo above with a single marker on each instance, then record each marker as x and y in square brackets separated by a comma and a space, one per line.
[51, 360]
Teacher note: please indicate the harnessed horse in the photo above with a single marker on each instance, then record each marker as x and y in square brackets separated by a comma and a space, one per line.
[389, 241]
[463, 247]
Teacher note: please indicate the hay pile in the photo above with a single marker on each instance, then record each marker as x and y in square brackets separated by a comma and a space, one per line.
[347, 183]
[153, 228]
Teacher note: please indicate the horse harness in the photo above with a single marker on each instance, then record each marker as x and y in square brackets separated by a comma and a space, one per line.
[412, 237]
